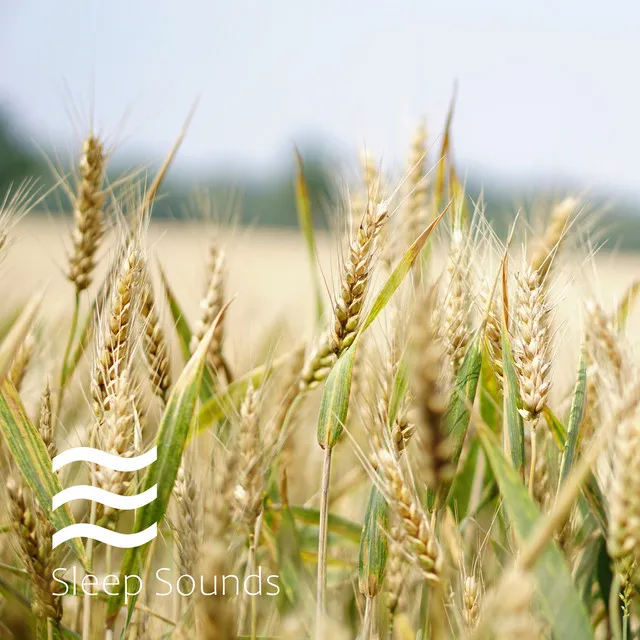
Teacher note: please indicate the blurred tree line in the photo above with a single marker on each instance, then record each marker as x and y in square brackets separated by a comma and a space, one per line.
[270, 201]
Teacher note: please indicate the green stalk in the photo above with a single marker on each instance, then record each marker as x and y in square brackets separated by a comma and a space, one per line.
[86, 618]
[87, 600]
[67, 350]
[534, 453]
[254, 604]
[322, 544]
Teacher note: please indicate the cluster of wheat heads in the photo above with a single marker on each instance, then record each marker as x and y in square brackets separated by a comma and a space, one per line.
[425, 466]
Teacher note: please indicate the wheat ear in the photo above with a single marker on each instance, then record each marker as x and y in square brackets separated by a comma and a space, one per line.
[623, 540]
[216, 614]
[470, 602]
[35, 531]
[547, 247]
[492, 331]
[248, 491]
[457, 305]
[155, 346]
[604, 341]
[21, 361]
[430, 400]
[531, 345]
[88, 213]
[506, 610]
[210, 306]
[115, 340]
[394, 579]
[416, 535]
[416, 205]
[116, 437]
[347, 311]
[34, 534]
[188, 523]
[531, 352]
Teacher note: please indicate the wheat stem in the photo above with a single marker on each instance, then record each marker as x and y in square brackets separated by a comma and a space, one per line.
[67, 349]
[322, 545]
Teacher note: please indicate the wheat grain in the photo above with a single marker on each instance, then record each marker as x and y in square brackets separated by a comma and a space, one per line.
[470, 601]
[394, 578]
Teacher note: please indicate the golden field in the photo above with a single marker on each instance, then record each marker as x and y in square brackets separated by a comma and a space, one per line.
[268, 275]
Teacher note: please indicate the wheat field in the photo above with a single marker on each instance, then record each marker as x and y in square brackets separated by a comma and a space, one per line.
[405, 428]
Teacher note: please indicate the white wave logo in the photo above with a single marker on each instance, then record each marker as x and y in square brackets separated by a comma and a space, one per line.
[95, 494]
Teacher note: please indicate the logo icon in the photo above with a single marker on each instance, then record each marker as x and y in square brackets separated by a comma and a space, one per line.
[101, 496]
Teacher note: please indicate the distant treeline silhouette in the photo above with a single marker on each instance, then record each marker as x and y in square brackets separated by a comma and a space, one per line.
[270, 201]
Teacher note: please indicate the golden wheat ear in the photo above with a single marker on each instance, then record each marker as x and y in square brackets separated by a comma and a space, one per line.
[88, 213]
[155, 345]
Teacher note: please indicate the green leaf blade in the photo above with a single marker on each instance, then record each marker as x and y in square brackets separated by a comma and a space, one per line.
[335, 400]
[372, 557]
[556, 594]
[30, 455]
[305, 220]
[513, 427]
[575, 419]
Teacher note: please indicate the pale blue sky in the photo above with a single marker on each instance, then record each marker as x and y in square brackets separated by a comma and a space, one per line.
[546, 89]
